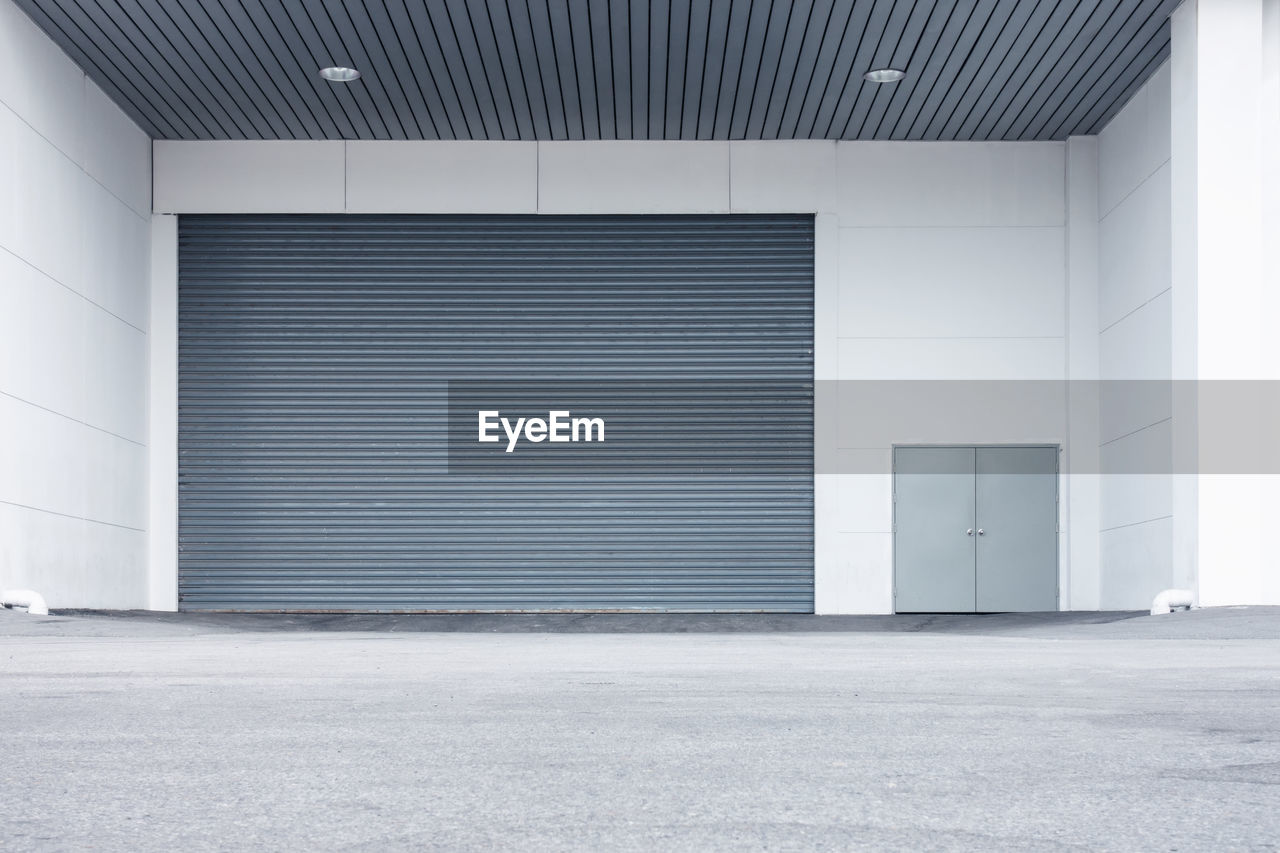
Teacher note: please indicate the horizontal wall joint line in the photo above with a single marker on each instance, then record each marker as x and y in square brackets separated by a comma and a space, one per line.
[56, 147]
[63, 284]
[73, 516]
[1136, 431]
[80, 421]
[1136, 523]
[1134, 311]
[1135, 188]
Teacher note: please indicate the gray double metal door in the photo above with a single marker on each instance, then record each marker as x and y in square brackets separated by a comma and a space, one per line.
[975, 529]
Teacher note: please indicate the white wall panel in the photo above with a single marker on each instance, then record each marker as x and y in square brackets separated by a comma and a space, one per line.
[952, 282]
[442, 177]
[1135, 343]
[53, 464]
[114, 244]
[1134, 250]
[866, 503]
[1160, 115]
[94, 562]
[75, 177]
[1247, 571]
[42, 551]
[43, 460]
[1227, 70]
[249, 177]
[782, 176]
[43, 187]
[882, 414]
[864, 577]
[1083, 262]
[950, 183]
[42, 345]
[951, 358]
[828, 574]
[1138, 485]
[113, 572]
[1132, 499]
[826, 296]
[857, 574]
[1080, 574]
[1140, 345]
[40, 83]
[115, 376]
[1136, 142]
[633, 177]
[162, 437]
[1080, 485]
[1136, 564]
[115, 478]
[1126, 407]
[863, 461]
[117, 154]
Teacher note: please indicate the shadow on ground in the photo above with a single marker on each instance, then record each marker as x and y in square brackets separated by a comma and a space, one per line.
[1207, 623]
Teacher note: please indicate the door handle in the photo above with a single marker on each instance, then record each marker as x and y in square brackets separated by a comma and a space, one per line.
[969, 532]
[981, 531]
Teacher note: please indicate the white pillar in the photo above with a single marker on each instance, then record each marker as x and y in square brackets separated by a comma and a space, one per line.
[162, 547]
[1185, 485]
[1081, 491]
[1226, 308]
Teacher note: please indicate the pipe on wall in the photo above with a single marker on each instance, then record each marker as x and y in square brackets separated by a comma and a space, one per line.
[1170, 600]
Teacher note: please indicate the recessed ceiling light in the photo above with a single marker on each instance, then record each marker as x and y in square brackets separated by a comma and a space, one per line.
[339, 74]
[884, 75]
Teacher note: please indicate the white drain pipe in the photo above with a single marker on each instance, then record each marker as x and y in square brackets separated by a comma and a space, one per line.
[1170, 600]
[28, 598]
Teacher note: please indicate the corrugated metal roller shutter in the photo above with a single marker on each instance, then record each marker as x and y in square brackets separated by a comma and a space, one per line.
[318, 355]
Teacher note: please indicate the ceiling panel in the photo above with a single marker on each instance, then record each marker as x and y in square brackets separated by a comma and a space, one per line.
[614, 69]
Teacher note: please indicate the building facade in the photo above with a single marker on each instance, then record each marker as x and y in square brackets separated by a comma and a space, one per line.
[231, 366]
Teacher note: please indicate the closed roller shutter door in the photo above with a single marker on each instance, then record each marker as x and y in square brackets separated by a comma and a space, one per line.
[317, 359]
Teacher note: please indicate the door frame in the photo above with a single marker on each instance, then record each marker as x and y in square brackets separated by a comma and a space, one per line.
[945, 445]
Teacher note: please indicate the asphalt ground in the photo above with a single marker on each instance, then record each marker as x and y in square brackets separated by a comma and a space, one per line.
[1112, 731]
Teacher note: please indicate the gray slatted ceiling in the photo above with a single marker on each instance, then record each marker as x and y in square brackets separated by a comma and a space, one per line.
[322, 468]
[642, 69]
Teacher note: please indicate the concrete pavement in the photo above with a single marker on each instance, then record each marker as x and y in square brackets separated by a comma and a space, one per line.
[1041, 733]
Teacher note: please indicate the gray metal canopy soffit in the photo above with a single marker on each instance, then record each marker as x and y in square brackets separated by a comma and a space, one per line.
[607, 69]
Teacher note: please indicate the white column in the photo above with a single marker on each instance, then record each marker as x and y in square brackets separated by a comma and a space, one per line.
[1184, 366]
[1081, 494]
[834, 590]
[1225, 304]
[162, 546]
